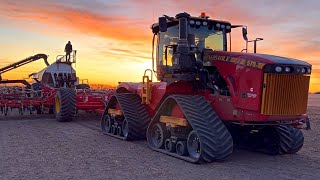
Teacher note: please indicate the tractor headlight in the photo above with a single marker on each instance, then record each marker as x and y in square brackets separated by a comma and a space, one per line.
[309, 70]
[287, 69]
[223, 26]
[192, 22]
[204, 23]
[303, 70]
[198, 23]
[218, 25]
[278, 69]
[228, 27]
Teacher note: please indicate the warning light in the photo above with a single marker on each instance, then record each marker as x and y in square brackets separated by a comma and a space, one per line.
[203, 15]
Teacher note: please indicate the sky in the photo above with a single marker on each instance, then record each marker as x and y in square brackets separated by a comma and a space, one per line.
[113, 38]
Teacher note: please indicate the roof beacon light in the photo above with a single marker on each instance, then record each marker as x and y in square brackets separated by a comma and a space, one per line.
[203, 15]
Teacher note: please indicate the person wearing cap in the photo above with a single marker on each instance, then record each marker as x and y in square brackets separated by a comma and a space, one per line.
[68, 50]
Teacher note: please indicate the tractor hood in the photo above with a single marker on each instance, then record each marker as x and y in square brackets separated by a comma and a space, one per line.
[261, 61]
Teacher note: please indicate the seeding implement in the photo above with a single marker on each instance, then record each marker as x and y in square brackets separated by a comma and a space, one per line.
[55, 89]
[208, 99]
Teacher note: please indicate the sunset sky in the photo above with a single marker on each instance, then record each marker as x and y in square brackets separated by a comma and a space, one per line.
[113, 37]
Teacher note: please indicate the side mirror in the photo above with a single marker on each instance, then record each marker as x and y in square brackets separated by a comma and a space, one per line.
[244, 33]
[162, 24]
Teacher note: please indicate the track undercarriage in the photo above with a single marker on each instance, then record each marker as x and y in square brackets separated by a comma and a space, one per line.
[194, 134]
[274, 140]
[125, 117]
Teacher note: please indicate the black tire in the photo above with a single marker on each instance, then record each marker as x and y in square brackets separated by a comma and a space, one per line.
[65, 104]
[169, 145]
[119, 131]
[292, 139]
[34, 87]
[158, 136]
[106, 123]
[282, 139]
[194, 145]
[125, 128]
[181, 148]
[83, 86]
[114, 129]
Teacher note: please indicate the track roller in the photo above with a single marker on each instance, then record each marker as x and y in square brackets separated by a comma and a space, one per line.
[65, 104]
[181, 148]
[169, 145]
[119, 131]
[126, 116]
[198, 137]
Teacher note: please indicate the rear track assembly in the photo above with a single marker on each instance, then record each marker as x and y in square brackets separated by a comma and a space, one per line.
[129, 121]
[207, 137]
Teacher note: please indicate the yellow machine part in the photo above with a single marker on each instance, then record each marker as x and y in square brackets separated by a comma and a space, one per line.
[173, 121]
[146, 90]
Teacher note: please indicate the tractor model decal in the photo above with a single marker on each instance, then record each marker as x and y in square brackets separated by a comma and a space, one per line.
[240, 61]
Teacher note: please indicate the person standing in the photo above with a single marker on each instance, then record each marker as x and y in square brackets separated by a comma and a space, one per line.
[68, 50]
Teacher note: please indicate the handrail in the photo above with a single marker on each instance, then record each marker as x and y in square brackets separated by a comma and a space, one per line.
[62, 58]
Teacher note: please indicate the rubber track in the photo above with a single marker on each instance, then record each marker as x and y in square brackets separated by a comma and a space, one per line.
[68, 104]
[134, 112]
[291, 139]
[216, 141]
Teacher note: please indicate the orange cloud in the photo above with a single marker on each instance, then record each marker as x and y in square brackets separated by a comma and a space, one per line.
[281, 29]
[119, 28]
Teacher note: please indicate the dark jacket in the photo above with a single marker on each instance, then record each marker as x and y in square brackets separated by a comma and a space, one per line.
[68, 48]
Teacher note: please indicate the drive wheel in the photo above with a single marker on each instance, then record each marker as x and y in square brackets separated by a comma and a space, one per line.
[194, 145]
[106, 124]
[158, 135]
[125, 128]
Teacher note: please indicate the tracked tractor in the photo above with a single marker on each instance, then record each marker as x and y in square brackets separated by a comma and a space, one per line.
[208, 99]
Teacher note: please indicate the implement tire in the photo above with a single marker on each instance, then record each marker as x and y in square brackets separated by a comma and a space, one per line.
[65, 104]
[83, 86]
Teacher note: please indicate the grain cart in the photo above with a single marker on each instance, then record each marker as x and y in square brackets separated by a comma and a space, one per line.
[207, 98]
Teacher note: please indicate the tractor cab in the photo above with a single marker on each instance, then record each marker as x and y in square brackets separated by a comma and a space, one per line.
[192, 35]
[181, 43]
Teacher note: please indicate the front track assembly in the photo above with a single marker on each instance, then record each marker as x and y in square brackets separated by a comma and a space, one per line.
[273, 140]
[204, 139]
[125, 117]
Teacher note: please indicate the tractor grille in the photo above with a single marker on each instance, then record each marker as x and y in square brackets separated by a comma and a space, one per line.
[285, 94]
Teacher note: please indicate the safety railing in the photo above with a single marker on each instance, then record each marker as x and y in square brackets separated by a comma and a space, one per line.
[65, 59]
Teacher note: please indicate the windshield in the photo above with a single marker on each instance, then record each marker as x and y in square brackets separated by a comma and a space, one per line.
[204, 38]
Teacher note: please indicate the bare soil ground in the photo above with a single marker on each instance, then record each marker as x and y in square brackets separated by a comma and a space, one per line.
[38, 147]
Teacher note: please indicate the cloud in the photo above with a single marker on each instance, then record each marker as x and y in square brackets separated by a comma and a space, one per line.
[77, 20]
[290, 28]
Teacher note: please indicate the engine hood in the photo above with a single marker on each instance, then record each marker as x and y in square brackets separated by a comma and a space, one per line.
[263, 59]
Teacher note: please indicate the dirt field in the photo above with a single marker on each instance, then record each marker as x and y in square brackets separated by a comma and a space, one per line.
[38, 147]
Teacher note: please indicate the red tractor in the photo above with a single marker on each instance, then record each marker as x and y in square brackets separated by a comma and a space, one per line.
[208, 99]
